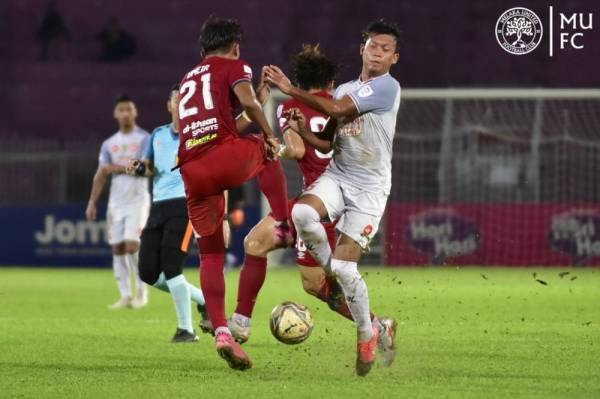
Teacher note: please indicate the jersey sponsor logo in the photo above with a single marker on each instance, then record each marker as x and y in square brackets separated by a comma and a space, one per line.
[365, 91]
[191, 143]
[201, 127]
[519, 31]
[352, 128]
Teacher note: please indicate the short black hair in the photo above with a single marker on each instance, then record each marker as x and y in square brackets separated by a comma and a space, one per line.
[312, 69]
[381, 27]
[219, 34]
[123, 98]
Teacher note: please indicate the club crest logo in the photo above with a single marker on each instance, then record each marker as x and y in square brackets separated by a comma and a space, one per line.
[519, 31]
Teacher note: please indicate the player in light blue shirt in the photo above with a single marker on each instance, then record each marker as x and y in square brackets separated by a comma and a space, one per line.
[168, 232]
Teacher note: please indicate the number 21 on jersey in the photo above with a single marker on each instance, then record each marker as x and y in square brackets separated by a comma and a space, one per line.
[188, 89]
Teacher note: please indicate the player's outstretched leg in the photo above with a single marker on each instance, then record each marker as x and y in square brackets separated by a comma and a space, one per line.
[212, 261]
[257, 244]
[357, 297]
[318, 284]
[308, 223]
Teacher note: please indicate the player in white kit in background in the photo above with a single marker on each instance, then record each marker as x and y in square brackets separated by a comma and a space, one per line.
[355, 186]
[128, 203]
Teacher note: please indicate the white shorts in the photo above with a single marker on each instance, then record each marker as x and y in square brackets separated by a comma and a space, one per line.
[126, 223]
[358, 211]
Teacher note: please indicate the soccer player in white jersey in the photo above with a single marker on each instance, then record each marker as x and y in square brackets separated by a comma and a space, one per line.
[128, 203]
[355, 186]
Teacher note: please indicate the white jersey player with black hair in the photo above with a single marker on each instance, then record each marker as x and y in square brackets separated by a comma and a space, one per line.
[354, 188]
[128, 203]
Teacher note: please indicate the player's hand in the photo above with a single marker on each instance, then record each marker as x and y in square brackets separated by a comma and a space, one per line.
[90, 212]
[132, 166]
[272, 146]
[275, 76]
[263, 90]
[296, 119]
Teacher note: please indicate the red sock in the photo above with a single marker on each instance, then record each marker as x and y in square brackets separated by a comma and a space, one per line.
[212, 280]
[273, 185]
[252, 278]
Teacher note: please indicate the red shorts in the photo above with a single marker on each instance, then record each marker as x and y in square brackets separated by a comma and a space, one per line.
[229, 164]
[303, 257]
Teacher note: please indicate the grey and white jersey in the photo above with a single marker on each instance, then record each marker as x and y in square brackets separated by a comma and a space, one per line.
[118, 149]
[362, 147]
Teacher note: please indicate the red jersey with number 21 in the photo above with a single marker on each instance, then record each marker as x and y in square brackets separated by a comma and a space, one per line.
[207, 104]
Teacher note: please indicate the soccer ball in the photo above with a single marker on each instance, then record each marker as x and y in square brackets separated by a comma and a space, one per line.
[291, 323]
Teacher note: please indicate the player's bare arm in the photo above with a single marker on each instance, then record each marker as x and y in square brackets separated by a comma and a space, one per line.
[100, 179]
[344, 107]
[242, 122]
[245, 94]
[322, 142]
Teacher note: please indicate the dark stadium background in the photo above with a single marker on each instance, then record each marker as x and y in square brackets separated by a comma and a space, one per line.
[56, 112]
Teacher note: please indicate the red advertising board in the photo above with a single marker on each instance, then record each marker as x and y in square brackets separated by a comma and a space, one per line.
[493, 234]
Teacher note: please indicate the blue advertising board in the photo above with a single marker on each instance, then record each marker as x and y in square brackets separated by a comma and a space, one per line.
[61, 236]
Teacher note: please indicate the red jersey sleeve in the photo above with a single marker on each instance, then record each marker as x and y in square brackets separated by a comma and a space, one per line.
[239, 72]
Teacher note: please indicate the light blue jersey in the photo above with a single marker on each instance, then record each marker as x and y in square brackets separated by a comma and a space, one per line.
[162, 152]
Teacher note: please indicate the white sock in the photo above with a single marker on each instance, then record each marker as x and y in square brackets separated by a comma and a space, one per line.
[195, 292]
[312, 232]
[133, 260]
[356, 293]
[181, 296]
[121, 270]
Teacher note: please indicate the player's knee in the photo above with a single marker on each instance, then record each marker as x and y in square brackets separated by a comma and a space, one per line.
[119, 249]
[303, 215]
[131, 247]
[254, 246]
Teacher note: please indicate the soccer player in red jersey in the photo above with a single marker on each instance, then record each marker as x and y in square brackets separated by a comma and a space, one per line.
[313, 72]
[213, 158]
[356, 184]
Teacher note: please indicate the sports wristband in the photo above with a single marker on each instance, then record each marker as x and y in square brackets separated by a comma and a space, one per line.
[140, 169]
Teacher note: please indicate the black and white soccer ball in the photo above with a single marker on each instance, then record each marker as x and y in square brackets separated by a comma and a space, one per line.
[291, 323]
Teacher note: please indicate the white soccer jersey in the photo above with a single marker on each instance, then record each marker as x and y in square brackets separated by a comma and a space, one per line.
[121, 147]
[363, 145]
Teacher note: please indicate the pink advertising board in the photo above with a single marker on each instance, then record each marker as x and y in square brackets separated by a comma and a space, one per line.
[493, 234]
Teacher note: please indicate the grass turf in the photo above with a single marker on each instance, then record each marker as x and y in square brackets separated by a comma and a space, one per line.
[464, 333]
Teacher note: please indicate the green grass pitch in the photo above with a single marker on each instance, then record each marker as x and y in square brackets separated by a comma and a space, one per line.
[463, 333]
